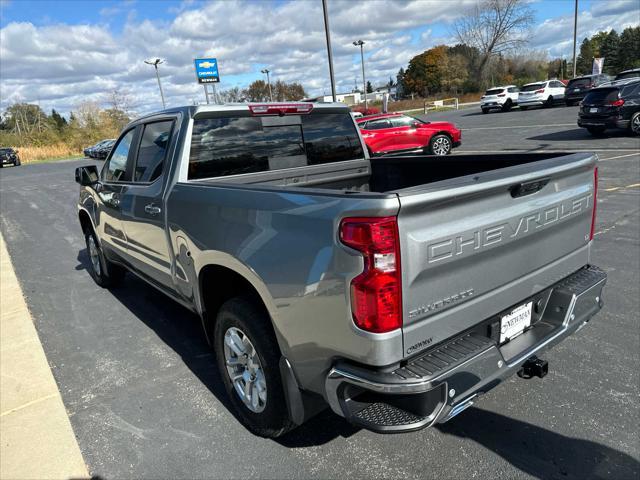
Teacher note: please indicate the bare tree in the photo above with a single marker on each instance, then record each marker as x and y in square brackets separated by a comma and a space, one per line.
[120, 100]
[494, 27]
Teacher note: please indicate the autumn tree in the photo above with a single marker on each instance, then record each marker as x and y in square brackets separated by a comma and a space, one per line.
[283, 91]
[424, 74]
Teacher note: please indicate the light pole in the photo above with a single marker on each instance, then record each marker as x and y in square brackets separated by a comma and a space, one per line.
[155, 63]
[268, 83]
[360, 44]
[575, 34]
[326, 32]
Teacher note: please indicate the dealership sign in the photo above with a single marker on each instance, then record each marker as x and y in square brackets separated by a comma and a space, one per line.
[207, 70]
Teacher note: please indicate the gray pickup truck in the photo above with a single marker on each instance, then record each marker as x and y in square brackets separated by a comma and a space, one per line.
[395, 290]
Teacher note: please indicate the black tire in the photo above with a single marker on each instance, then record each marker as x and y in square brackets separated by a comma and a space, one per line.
[485, 110]
[570, 103]
[17, 162]
[507, 105]
[634, 124]
[440, 143]
[596, 131]
[523, 108]
[105, 273]
[549, 102]
[245, 314]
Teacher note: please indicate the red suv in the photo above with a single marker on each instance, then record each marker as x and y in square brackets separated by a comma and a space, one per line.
[392, 132]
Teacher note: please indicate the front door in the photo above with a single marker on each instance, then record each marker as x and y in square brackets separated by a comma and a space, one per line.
[113, 183]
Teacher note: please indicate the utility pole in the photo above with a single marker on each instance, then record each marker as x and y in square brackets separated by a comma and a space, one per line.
[360, 44]
[155, 63]
[268, 83]
[329, 53]
[575, 34]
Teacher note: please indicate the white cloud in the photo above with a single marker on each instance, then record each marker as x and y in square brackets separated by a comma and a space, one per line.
[61, 65]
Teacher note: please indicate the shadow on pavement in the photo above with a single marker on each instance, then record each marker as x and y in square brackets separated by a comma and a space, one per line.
[540, 452]
[181, 330]
[580, 134]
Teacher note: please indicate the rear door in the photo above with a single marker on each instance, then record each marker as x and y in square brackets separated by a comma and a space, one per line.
[405, 133]
[376, 134]
[141, 205]
[474, 246]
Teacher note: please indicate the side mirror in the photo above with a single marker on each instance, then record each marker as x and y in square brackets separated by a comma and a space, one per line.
[87, 176]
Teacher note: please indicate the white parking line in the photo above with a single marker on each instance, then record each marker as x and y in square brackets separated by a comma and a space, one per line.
[619, 156]
[520, 126]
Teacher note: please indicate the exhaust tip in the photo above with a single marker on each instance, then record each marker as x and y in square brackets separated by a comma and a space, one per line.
[534, 367]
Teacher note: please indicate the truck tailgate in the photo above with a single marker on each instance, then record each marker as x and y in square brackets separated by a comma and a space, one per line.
[474, 246]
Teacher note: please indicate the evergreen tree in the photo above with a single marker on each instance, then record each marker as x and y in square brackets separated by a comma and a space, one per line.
[609, 50]
[629, 48]
[369, 87]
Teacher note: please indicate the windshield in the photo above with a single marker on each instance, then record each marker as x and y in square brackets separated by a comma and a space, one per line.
[494, 91]
[580, 82]
[601, 96]
[532, 87]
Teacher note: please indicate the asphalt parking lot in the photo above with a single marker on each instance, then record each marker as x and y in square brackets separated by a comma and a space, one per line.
[144, 399]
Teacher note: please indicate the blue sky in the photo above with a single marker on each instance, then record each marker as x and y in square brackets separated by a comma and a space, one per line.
[72, 51]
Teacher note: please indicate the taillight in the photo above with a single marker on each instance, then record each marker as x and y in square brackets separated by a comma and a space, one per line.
[595, 202]
[617, 103]
[502, 94]
[376, 294]
[540, 91]
[280, 108]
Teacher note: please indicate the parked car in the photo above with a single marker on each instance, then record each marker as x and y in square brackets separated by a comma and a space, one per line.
[393, 290]
[578, 87]
[396, 132]
[502, 98]
[633, 73]
[9, 156]
[612, 105]
[91, 151]
[541, 94]
[103, 150]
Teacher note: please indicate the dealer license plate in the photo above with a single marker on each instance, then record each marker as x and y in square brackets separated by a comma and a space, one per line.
[513, 324]
[593, 110]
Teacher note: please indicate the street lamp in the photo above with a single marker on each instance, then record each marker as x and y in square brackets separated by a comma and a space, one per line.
[268, 83]
[155, 62]
[360, 44]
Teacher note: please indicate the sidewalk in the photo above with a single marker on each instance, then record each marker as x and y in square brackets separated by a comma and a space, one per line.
[36, 438]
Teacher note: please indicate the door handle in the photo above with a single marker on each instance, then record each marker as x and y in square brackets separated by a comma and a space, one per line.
[151, 209]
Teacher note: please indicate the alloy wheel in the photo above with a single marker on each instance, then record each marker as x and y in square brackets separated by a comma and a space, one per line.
[245, 369]
[94, 255]
[441, 146]
[635, 125]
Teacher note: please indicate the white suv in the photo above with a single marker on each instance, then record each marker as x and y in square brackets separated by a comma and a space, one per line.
[541, 93]
[499, 97]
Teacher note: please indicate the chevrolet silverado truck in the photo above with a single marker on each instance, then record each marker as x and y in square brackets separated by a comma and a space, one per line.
[394, 290]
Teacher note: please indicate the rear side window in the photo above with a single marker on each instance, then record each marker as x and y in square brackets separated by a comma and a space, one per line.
[236, 145]
[580, 82]
[402, 121]
[153, 151]
[378, 124]
[601, 96]
[495, 91]
[116, 169]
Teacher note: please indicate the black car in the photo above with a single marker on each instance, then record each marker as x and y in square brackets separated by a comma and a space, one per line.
[102, 151]
[612, 105]
[633, 73]
[578, 87]
[9, 156]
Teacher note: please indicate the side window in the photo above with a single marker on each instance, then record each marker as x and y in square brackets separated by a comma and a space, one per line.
[402, 121]
[152, 151]
[378, 124]
[116, 169]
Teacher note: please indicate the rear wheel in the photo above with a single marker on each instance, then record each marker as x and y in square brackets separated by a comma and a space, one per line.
[635, 123]
[596, 131]
[440, 145]
[507, 105]
[485, 110]
[549, 102]
[570, 103]
[248, 359]
[16, 162]
[104, 273]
